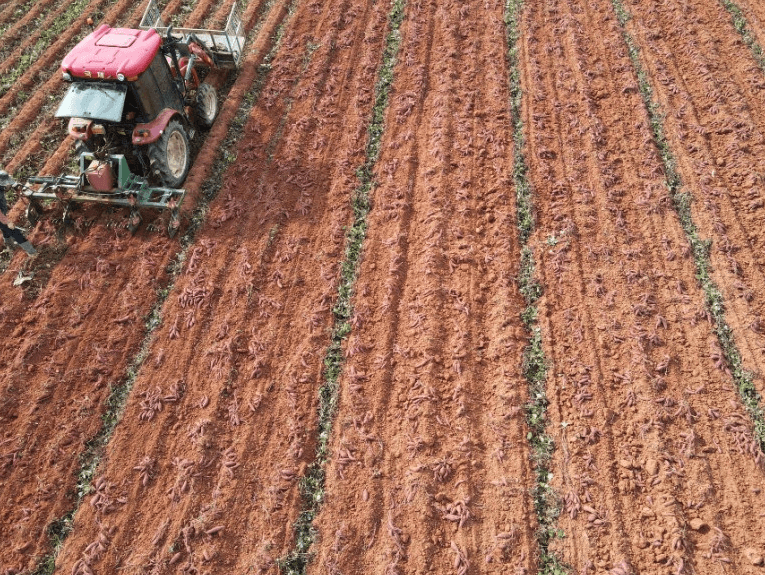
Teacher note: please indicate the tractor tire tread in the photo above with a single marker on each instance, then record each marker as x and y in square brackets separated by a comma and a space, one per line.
[158, 164]
[206, 117]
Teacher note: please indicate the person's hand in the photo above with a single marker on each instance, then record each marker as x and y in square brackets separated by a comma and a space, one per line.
[10, 225]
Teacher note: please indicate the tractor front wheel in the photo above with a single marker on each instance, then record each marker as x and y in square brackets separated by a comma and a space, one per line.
[206, 105]
[170, 156]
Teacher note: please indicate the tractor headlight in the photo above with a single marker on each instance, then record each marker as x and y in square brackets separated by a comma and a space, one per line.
[121, 77]
[67, 77]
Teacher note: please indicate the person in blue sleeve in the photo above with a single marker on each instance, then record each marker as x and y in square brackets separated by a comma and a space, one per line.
[11, 235]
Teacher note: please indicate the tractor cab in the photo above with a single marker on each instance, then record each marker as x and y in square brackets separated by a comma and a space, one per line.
[141, 99]
[123, 90]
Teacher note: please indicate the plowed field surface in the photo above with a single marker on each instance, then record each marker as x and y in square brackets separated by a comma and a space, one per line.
[430, 441]
[302, 357]
[640, 409]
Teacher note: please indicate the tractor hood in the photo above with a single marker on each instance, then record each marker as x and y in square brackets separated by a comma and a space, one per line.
[93, 100]
[107, 52]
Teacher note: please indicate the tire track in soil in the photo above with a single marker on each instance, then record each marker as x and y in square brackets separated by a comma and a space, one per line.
[713, 85]
[105, 305]
[312, 482]
[648, 428]
[209, 151]
[413, 482]
[254, 372]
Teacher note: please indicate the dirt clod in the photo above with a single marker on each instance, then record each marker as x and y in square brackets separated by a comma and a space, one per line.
[754, 556]
[697, 524]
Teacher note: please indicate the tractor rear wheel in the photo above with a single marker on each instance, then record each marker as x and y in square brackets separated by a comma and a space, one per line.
[206, 105]
[170, 156]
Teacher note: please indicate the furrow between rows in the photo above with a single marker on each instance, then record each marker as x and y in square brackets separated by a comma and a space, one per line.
[248, 376]
[416, 480]
[107, 302]
[711, 83]
[648, 428]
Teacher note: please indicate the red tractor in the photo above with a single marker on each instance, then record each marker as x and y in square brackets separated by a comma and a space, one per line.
[134, 104]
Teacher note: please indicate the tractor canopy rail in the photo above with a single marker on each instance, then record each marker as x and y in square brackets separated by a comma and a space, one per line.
[225, 45]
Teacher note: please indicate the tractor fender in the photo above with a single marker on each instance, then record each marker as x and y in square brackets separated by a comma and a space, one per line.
[151, 131]
[80, 128]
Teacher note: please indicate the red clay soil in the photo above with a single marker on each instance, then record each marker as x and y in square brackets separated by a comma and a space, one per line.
[225, 403]
[219, 17]
[68, 347]
[13, 33]
[705, 74]
[30, 112]
[200, 12]
[55, 377]
[430, 469]
[208, 153]
[54, 165]
[655, 463]
[31, 151]
[171, 8]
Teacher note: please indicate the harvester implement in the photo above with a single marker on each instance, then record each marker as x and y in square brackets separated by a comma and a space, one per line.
[97, 183]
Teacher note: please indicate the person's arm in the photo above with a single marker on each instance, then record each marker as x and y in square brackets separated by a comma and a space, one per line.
[5, 221]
